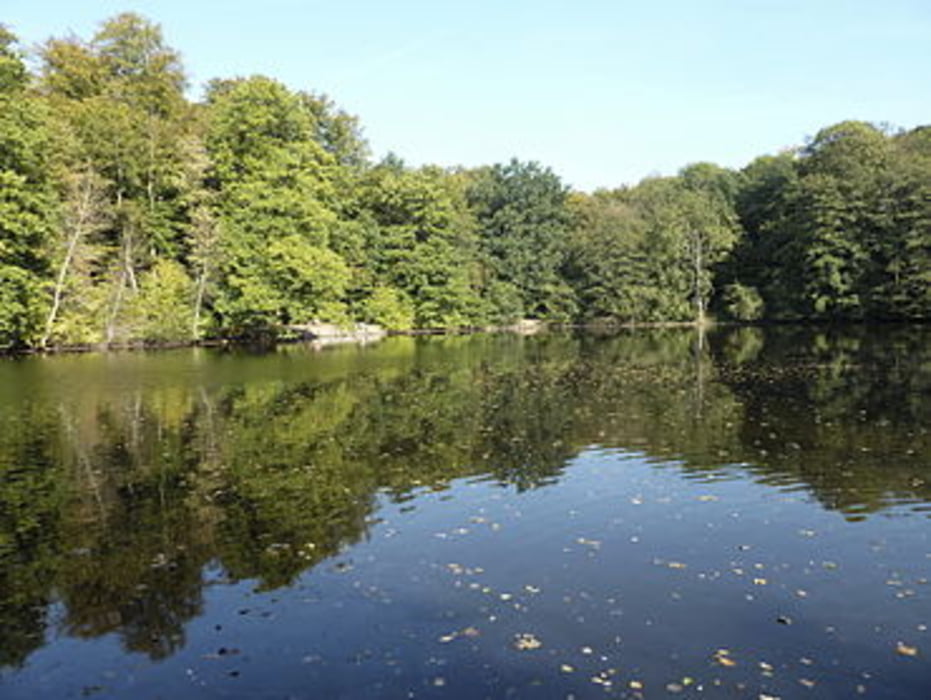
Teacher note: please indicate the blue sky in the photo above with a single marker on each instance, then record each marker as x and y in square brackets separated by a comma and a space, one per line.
[603, 92]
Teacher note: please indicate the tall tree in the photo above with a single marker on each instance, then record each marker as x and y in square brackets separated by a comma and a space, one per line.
[712, 229]
[524, 226]
[27, 202]
[120, 98]
[422, 246]
[609, 260]
[276, 197]
[755, 270]
[903, 255]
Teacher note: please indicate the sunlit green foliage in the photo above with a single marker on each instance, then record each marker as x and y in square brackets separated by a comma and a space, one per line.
[422, 244]
[263, 207]
[27, 203]
[840, 230]
[648, 253]
[523, 224]
[121, 123]
[389, 308]
[162, 309]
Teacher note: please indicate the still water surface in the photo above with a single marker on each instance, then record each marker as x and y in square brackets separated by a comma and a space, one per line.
[643, 515]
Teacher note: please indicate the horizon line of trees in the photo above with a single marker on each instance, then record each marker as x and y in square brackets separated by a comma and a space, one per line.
[129, 213]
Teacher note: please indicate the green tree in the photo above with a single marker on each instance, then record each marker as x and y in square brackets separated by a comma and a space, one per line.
[124, 118]
[757, 263]
[610, 263]
[523, 225]
[85, 214]
[13, 74]
[837, 216]
[276, 197]
[162, 310]
[27, 202]
[389, 308]
[903, 255]
[711, 226]
[422, 244]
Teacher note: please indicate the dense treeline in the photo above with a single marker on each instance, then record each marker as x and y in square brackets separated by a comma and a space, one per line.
[130, 214]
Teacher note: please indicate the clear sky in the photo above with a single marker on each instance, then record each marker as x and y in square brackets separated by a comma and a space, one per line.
[605, 92]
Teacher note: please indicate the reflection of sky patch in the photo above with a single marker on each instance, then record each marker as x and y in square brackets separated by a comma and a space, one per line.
[472, 516]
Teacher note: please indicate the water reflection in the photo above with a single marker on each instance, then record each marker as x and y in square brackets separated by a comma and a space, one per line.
[130, 483]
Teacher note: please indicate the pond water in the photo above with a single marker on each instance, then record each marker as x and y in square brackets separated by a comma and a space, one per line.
[651, 514]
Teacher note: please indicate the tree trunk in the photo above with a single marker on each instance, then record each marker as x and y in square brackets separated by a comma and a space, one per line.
[84, 221]
[115, 310]
[198, 303]
[699, 300]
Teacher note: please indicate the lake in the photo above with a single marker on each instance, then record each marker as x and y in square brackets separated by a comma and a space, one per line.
[647, 514]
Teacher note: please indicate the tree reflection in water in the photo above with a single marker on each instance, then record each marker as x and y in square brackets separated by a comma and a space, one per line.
[125, 479]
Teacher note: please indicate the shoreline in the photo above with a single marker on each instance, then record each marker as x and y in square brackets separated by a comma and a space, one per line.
[526, 327]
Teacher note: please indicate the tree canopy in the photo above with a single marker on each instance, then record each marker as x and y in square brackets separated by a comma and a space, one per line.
[131, 214]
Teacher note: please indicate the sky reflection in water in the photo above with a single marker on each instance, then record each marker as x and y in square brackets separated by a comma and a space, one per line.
[470, 517]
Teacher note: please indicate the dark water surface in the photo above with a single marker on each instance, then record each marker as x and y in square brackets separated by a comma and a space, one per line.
[487, 516]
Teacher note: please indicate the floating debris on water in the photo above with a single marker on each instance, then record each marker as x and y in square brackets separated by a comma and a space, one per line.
[526, 642]
[723, 658]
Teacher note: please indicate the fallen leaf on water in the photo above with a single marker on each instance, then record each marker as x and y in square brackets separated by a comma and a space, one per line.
[722, 657]
[526, 642]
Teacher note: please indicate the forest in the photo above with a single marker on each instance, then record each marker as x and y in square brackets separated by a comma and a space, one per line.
[130, 214]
